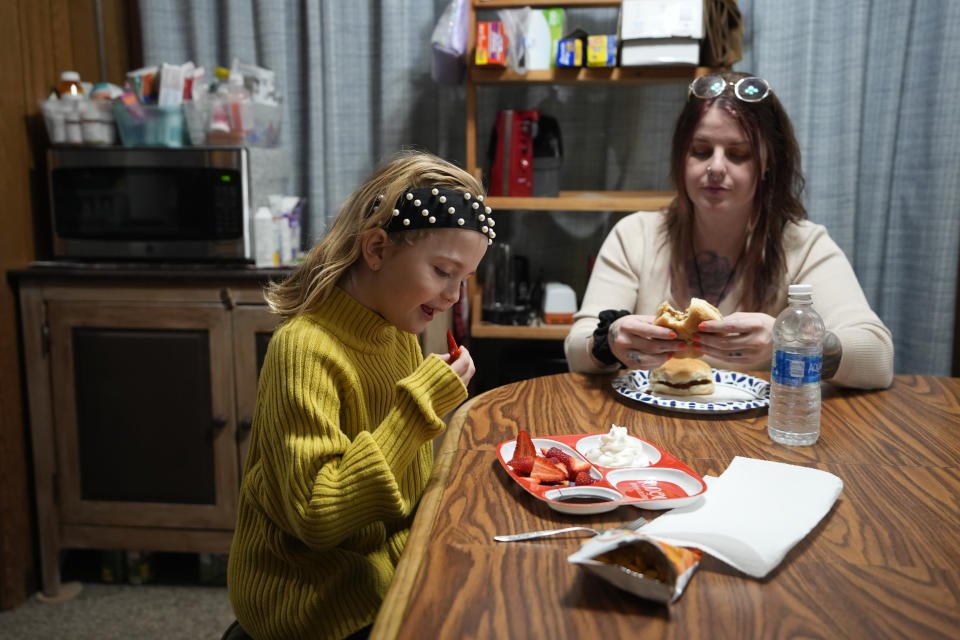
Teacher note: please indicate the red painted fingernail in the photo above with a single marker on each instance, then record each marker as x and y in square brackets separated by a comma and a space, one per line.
[673, 335]
[669, 355]
[702, 326]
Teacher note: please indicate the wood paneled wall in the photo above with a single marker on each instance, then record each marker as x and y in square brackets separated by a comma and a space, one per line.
[38, 40]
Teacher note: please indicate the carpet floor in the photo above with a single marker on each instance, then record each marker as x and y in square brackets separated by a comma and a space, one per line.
[175, 606]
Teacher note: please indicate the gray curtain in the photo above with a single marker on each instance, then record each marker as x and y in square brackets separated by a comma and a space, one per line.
[871, 87]
[355, 77]
[868, 83]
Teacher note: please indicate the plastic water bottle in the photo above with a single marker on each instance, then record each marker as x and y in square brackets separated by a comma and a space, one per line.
[794, 417]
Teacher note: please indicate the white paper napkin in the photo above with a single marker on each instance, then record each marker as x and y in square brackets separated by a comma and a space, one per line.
[752, 515]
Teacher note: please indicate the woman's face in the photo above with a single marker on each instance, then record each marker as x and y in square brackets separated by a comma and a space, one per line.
[417, 280]
[728, 188]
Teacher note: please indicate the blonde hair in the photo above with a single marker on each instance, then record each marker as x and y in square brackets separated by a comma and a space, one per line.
[328, 260]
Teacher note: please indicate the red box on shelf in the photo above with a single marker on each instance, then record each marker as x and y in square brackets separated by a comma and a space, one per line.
[491, 45]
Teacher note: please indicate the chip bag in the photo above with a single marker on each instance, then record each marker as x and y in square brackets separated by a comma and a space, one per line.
[639, 564]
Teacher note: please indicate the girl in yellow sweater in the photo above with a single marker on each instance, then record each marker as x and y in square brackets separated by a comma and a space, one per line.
[347, 407]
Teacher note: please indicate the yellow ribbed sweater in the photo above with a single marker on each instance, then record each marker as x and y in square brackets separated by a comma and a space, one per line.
[340, 453]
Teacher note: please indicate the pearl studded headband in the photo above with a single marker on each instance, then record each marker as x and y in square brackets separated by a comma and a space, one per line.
[434, 207]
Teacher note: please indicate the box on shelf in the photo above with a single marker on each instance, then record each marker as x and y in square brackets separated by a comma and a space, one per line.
[662, 51]
[660, 32]
[570, 52]
[491, 44]
[602, 51]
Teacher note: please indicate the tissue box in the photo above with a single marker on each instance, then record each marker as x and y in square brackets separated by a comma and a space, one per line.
[491, 45]
[660, 32]
[602, 51]
[559, 303]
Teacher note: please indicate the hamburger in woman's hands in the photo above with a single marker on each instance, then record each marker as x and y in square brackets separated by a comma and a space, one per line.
[686, 323]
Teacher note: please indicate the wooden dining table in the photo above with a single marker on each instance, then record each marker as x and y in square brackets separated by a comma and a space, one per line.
[884, 562]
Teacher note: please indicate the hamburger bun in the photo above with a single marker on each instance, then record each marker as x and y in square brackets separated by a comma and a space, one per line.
[686, 323]
[682, 377]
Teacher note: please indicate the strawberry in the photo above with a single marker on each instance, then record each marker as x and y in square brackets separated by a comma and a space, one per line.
[577, 465]
[547, 471]
[573, 464]
[452, 346]
[524, 446]
[522, 466]
[555, 453]
[583, 478]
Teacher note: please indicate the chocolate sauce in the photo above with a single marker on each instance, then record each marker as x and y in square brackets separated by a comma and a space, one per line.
[584, 499]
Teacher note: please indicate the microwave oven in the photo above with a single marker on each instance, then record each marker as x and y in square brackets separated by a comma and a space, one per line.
[158, 203]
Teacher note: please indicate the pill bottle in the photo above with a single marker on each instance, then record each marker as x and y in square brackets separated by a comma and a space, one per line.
[70, 86]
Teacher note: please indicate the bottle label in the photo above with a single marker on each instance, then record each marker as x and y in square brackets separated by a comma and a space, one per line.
[794, 369]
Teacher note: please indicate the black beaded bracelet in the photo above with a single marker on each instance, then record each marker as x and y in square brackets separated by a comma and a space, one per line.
[601, 348]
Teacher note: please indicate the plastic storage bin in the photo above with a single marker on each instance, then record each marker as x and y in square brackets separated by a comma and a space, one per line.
[267, 119]
[150, 125]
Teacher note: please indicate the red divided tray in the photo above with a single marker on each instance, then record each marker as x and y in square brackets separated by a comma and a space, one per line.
[664, 483]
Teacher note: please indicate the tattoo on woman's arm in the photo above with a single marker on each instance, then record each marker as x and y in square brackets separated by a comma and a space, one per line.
[832, 351]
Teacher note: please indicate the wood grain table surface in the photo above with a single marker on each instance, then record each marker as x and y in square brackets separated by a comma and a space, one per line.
[883, 563]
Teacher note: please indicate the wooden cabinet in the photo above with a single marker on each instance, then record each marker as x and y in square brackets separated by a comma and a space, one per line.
[141, 390]
[566, 200]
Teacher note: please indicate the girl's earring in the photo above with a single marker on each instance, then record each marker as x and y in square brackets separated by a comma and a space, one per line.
[375, 267]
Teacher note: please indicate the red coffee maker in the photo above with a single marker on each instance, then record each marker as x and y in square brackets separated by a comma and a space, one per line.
[511, 151]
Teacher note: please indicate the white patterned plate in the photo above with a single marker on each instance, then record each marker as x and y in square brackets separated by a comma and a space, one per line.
[733, 391]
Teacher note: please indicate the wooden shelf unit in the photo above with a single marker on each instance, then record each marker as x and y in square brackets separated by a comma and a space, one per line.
[565, 200]
[481, 329]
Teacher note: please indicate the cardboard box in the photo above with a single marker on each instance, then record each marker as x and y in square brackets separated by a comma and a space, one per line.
[491, 45]
[661, 19]
[662, 51]
[602, 51]
[660, 32]
[570, 52]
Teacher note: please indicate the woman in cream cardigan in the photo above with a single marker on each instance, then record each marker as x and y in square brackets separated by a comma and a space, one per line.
[736, 235]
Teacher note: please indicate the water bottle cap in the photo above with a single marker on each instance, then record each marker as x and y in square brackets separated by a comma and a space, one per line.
[801, 290]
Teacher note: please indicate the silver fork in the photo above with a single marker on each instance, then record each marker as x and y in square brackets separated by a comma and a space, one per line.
[632, 526]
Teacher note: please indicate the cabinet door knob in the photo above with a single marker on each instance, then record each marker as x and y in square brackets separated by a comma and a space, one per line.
[245, 424]
[217, 423]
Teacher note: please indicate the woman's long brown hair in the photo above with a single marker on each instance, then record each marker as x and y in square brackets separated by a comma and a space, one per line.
[327, 261]
[777, 199]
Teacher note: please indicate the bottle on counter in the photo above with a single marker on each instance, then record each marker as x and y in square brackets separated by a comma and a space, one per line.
[794, 416]
[265, 241]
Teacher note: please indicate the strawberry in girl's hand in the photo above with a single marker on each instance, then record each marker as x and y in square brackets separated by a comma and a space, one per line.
[452, 346]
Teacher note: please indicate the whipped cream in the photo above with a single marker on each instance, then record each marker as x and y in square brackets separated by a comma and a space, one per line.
[617, 449]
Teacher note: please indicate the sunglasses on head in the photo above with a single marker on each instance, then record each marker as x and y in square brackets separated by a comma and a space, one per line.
[749, 89]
